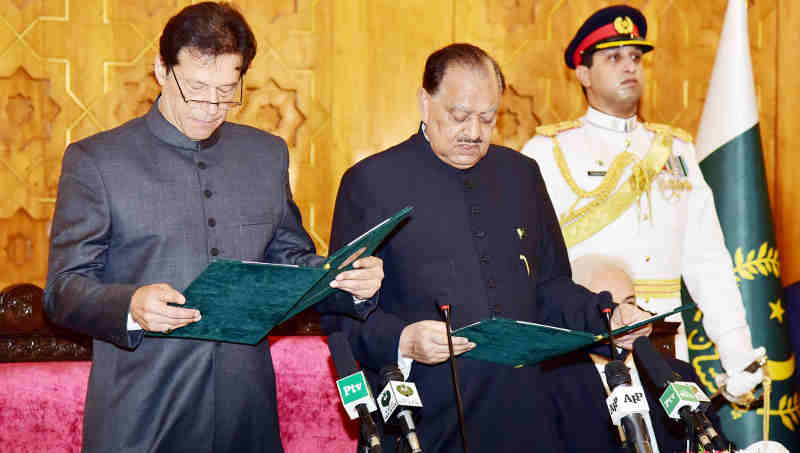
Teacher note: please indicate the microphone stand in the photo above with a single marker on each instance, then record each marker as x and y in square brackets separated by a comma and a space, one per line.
[607, 313]
[363, 446]
[445, 309]
[627, 443]
[367, 433]
[402, 446]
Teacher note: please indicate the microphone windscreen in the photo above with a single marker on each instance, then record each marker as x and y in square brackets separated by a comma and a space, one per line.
[391, 373]
[617, 374]
[653, 362]
[342, 355]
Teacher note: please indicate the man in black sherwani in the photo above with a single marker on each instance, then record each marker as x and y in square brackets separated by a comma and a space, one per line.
[483, 238]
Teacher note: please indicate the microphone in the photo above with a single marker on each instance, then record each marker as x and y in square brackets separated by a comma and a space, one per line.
[680, 400]
[627, 405]
[355, 393]
[397, 400]
[445, 310]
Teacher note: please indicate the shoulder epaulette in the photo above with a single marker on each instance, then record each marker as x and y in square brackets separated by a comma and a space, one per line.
[667, 129]
[551, 130]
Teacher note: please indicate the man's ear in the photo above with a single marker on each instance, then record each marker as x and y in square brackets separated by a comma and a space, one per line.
[582, 73]
[424, 101]
[160, 70]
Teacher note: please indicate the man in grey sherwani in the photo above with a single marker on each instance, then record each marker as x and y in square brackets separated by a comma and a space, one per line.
[142, 209]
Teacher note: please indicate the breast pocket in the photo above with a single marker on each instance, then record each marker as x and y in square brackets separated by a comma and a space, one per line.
[253, 236]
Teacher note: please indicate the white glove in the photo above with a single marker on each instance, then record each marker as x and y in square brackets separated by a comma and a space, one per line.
[741, 383]
[738, 383]
[765, 446]
[736, 351]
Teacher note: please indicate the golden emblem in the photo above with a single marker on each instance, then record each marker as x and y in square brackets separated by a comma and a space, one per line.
[405, 390]
[524, 260]
[623, 25]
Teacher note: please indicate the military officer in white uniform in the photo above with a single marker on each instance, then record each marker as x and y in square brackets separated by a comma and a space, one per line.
[634, 191]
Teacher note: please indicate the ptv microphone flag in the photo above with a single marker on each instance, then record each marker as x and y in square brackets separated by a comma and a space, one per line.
[354, 390]
[682, 394]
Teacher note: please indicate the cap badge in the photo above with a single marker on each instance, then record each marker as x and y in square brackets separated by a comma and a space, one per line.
[623, 25]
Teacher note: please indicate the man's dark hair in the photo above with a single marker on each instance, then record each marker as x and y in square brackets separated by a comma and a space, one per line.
[466, 55]
[587, 59]
[211, 29]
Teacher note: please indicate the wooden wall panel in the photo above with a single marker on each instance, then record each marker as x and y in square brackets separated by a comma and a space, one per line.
[338, 80]
[787, 159]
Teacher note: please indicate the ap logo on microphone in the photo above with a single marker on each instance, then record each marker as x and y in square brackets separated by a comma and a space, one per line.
[625, 400]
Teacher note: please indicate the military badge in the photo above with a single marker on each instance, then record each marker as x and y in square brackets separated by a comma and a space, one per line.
[623, 25]
[674, 179]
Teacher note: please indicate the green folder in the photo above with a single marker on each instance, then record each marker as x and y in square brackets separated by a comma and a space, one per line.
[241, 301]
[519, 343]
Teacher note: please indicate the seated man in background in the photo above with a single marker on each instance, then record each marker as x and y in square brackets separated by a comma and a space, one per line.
[577, 384]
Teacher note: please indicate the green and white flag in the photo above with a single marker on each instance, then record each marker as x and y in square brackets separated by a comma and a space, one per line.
[730, 154]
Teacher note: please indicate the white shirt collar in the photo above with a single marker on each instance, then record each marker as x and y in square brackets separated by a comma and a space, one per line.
[610, 122]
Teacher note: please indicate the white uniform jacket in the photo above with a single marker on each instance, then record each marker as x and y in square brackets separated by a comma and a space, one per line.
[660, 234]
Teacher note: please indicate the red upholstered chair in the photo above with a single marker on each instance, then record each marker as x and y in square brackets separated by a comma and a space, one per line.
[42, 401]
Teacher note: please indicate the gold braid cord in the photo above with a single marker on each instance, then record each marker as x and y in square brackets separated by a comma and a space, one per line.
[605, 207]
[601, 193]
[767, 385]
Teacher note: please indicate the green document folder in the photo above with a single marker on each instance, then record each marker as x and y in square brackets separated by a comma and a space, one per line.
[518, 343]
[241, 301]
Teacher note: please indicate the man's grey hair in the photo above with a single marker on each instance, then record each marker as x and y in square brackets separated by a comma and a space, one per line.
[585, 268]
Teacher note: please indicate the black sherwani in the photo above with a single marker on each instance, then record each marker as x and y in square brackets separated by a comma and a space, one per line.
[144, 204]
[484, 240]
[582, 415]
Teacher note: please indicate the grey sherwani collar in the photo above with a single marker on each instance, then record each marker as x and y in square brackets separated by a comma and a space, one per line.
[168, 133]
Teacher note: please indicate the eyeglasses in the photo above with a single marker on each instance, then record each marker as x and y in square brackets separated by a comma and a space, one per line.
[226, 102]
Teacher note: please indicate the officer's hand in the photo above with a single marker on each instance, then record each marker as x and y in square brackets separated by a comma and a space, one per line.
[426, 342]
[150, 310]
[736, 351]
[625, 315]
[741, 383]
[364, 280]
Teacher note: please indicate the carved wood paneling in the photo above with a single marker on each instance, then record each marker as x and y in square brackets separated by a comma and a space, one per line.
[338, 80]
[787, 160]
[25, 334]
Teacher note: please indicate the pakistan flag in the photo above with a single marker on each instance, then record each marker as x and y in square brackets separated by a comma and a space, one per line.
[729, 148]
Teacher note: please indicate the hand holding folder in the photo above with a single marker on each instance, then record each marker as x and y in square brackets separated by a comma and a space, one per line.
[241, 301]
[519, 343]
